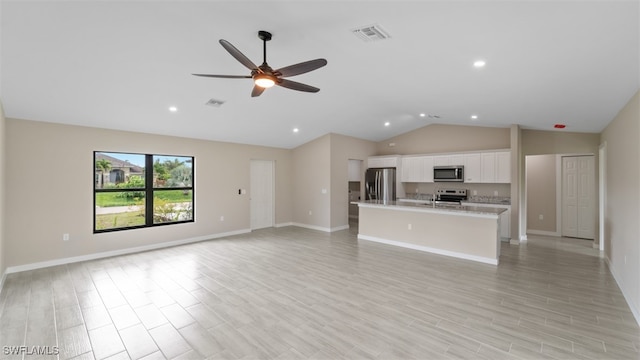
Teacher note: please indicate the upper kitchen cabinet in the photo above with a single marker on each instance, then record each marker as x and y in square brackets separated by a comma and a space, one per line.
[383, 161]
[445, 160]
[473, 168]
[496, 167]
[417, 169]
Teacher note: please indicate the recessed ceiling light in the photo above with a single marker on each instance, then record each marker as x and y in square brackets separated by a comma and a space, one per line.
[387, 123]
[173, 108]
[295, 130]
[423, 114]
[479, 63]
[474, 117]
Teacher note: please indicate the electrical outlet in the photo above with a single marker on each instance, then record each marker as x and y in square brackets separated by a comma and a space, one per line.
[495, 193]
[475, 192]
[540, 217]
[409, 226]
[222, 218]
[310, 213]
[65, 237]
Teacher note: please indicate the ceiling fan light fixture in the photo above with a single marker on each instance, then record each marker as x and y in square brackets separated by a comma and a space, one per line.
[264, 80]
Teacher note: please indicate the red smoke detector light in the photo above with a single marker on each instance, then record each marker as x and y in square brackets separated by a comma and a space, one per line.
[559, 126]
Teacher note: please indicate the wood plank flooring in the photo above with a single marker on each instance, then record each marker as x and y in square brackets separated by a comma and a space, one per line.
[293, 293]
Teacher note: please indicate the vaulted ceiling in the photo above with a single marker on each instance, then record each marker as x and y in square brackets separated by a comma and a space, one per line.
[123, 64]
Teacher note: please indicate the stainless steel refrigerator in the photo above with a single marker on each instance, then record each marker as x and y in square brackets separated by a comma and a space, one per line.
[380, 184]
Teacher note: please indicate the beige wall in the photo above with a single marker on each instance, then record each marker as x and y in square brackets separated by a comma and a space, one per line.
[537, 142]
[3, 138]
[622, 242]
[541, 192]
[51, 179]
[323, 164]
[312, 174]
[438, 138]
[344, 148]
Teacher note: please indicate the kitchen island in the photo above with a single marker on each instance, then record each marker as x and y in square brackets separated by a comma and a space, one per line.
[467, 232]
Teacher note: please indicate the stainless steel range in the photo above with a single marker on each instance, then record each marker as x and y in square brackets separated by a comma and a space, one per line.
[451, 196]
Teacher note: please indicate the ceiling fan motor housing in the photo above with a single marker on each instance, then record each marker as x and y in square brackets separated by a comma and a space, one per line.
[264, 35]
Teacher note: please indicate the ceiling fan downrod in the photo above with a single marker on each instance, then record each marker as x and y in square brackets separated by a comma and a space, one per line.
[264, 36]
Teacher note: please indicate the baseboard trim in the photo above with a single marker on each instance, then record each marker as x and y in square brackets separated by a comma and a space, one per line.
[543, 233]
[628, 299]
[320, 228]
[284, 224]
[106, 254]
[430, 249]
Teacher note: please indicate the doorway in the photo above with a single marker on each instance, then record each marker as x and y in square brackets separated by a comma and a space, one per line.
[355, 171]
[262, 204]
[578, 197]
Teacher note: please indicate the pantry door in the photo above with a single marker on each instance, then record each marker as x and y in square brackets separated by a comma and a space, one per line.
[262, 194]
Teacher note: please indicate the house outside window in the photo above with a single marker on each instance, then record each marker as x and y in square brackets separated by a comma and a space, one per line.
[128, 196]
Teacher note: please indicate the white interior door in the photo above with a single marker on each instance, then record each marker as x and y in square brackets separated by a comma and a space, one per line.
[586, 203]
[570, 196]
[578, 196]
[262, 194]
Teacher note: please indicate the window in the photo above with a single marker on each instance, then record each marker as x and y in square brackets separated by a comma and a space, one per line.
[141, 190]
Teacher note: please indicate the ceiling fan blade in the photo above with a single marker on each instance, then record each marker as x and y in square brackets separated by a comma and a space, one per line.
[225, 76]
[293, 85]
[257, 91]
[238, 55]
[302, 67]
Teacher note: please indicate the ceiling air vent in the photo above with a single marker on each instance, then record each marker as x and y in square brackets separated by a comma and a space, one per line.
[214, 102]
[371, 33]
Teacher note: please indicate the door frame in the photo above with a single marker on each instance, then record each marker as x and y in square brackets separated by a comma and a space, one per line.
[602, 193]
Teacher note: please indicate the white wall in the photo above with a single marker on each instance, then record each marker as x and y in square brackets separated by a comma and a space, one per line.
[622, 229]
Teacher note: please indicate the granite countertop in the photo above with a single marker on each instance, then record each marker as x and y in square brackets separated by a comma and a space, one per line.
[428, 207]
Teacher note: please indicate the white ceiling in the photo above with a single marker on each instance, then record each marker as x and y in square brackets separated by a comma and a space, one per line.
[122, 64]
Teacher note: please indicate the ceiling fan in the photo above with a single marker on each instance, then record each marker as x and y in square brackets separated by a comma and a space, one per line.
[264, 76]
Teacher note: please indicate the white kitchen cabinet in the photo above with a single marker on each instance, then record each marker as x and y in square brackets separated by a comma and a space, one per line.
[473, 168]
[417, 169]
[446, 160]
[456, 159]
[383, 161]
[427, 164]
[412, 169]
[496, 167]
[488, 167]
[441, 160]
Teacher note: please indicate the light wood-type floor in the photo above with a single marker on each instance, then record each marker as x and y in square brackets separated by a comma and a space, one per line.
[293, 293]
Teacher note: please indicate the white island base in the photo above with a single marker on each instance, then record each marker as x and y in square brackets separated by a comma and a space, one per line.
[467, 232]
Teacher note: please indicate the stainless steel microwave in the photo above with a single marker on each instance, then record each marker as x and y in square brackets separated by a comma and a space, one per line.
[448, 173]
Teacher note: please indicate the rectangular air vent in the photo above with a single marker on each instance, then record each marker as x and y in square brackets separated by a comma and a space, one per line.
[215, 103]
[371, 33]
